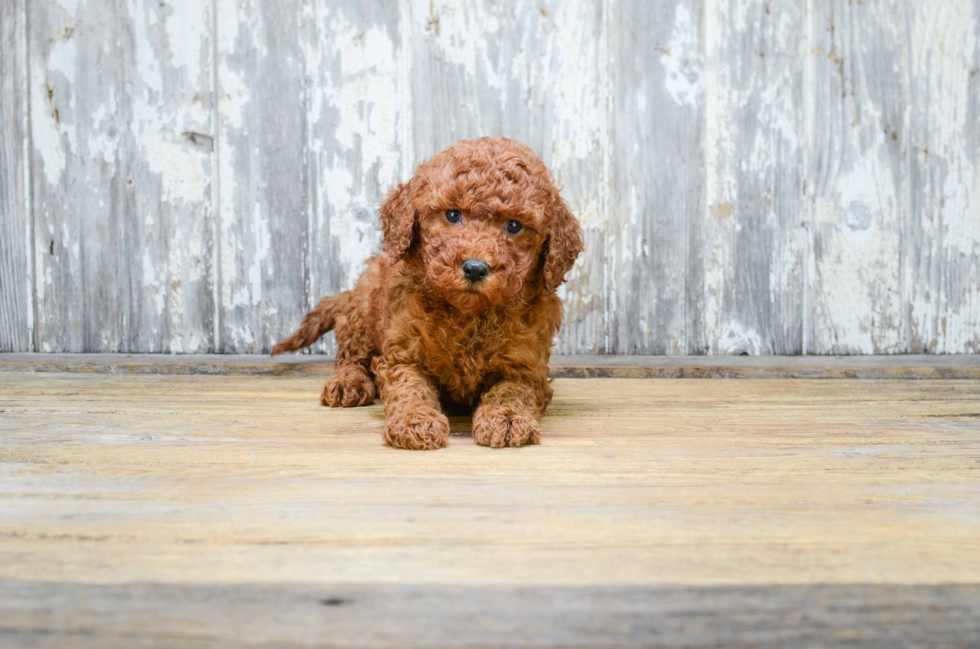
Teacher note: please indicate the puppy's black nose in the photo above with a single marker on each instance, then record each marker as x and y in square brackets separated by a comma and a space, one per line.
[475, 270]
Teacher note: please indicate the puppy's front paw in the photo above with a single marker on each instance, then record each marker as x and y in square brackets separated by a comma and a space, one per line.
[421, 430]
[348, 388]
[500, 426]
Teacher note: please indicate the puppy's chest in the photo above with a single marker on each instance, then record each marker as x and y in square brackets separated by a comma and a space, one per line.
[462, 356]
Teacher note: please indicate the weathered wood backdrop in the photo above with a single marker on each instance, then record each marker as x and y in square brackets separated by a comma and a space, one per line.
[759, 176]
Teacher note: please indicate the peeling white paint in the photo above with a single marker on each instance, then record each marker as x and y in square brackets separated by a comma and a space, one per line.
[682, 59]
[262, 241]
[233, 98]
[153, 285]
[718, 147]
[69, 6]
[736, 339]
[188, 27]
[860, 275]
[578, 116]
[181, 170]
[360, 71]
[457, 30]
[945, 314]
[51, 120]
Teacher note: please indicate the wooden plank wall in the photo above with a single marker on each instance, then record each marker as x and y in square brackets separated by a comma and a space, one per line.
[753, 176]
[16, 299]
[122, 171]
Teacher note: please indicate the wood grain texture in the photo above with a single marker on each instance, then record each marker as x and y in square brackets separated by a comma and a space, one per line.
[535, 72]
[943, 262]
[263, 244]
[754, 214]
[247, 479]
[230, 510]
[761, 177]
[359, 120]
[121, 115]
[452, 616]
[857, 168]
[16, 278]
[654, 232]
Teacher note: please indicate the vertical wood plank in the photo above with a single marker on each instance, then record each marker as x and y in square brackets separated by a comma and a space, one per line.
[534, 72]
[944, 173]
[359, 118]
[262, 140]
[16, 299]
[121, 120]
[857, 171]
[80, 187]
[755, 211]
[172, 164]
[654, 303]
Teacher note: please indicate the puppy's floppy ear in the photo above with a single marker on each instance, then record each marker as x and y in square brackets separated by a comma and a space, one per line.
[399, 219]
[562, 247]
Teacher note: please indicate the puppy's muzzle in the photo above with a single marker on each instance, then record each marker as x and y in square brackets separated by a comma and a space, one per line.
[475, 270]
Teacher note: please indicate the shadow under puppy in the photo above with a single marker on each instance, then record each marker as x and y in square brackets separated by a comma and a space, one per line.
[460, 308]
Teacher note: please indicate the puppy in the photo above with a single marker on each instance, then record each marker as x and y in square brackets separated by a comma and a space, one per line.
[460, 308]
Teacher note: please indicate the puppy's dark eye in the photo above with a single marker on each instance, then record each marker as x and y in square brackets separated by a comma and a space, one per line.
[454, 216]
[514, 227]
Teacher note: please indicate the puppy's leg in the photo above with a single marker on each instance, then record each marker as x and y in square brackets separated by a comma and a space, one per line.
[351, 384]
[413, 416]
[510, 412]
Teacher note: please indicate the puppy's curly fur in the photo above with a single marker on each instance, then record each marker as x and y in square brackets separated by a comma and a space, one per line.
[429, 336]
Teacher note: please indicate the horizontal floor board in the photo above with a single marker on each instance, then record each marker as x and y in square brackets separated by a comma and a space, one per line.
[115, 478]
[407, 616]
[964, 366]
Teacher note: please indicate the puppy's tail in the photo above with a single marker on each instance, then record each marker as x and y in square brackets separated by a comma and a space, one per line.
[315, 323]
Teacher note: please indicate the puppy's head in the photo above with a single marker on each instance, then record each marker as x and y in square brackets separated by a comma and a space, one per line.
[483, 220]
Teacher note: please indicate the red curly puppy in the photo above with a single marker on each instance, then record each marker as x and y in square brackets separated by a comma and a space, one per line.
[460, 308]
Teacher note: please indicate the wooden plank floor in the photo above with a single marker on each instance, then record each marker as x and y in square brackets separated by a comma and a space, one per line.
[225, 511]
